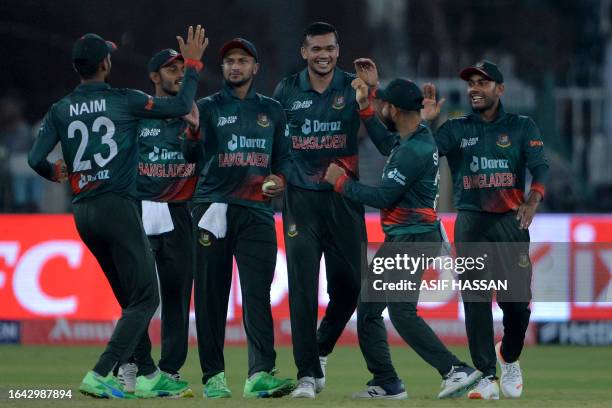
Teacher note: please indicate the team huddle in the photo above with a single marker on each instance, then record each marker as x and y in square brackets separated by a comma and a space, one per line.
[168, 189]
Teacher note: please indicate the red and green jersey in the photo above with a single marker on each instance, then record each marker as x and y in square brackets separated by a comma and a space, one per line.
[488, 160]
[322, 127]
[96, 127]
[163, 173]
[408, 191]
[242, 142]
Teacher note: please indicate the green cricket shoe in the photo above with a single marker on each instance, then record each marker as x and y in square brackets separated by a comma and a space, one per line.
[177, 377]
[216, 387]
[265, 385]
[160, 386]
[94, 385]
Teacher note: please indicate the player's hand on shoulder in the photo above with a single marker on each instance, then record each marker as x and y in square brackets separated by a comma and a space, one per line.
[333, 173]
[195, 44]
[431, 107]
[273, 186]
[365, 69]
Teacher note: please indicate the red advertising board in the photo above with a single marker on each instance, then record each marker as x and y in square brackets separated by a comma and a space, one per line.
[46, 271]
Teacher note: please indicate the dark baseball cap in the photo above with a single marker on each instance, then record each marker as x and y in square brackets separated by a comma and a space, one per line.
[163, 58]
[91, 49]
[485, 68]
[402, 93]
[241, 43]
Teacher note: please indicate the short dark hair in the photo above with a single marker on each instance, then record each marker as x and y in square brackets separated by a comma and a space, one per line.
[86, 70]
[320, 28]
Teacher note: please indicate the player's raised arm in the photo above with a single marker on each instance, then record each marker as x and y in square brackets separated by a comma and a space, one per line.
[382, 138]
[431, 106]
[192, 49]
[366, 70]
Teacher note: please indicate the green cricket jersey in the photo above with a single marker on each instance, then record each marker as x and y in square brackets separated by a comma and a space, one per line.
[96, 126]
[163, 173]
[488, 160]
[408, 192]
[242, 142]
[322, 127]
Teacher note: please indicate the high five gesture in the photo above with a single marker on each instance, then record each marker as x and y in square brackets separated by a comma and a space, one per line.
[196, 43]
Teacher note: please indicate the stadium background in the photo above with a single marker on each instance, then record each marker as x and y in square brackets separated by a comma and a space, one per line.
[556, 56]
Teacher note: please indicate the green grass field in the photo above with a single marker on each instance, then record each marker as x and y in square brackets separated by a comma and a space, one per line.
[554, 377]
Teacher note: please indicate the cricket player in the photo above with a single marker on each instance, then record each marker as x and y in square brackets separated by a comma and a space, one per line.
[96, 126]
[323, 124]
[165, 183]
[242, 149]
[492, 208]
[407, 199]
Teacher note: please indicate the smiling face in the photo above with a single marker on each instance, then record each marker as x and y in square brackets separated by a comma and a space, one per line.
[484, 94]
[171, 77]
[239, 67]
[321, 53]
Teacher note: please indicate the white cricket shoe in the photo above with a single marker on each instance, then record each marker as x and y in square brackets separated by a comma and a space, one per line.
[486, 389]
[305, 388]
[320, 382]
[511, 378]
[457, 381]
[127, 376]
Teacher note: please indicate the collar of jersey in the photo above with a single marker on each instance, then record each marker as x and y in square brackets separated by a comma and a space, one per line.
[93, 86]
[501, 114]
[336, 83]
[228, 92]
[404, 140]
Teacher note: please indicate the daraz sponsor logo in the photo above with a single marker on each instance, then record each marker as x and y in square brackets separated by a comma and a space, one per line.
[482, 163]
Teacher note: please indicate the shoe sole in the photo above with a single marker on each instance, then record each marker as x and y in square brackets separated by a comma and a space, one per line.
[104, 395]
[401, 396]
[186, 393]
[460, 389]
[278, 392]
[89, 391]
[94, 395]
[217, 397]
[304, 395]
[478, 396]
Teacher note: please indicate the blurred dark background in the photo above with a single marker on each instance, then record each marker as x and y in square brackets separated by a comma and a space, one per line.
[556, 57]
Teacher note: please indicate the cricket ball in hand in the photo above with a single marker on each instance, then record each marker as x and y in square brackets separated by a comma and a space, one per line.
[267, 185]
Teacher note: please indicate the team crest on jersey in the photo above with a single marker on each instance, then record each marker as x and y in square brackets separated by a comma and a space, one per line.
[262, 120]
[523, 260]
[338, 102]
[292, 231]
[503, 140]
[204, 239]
